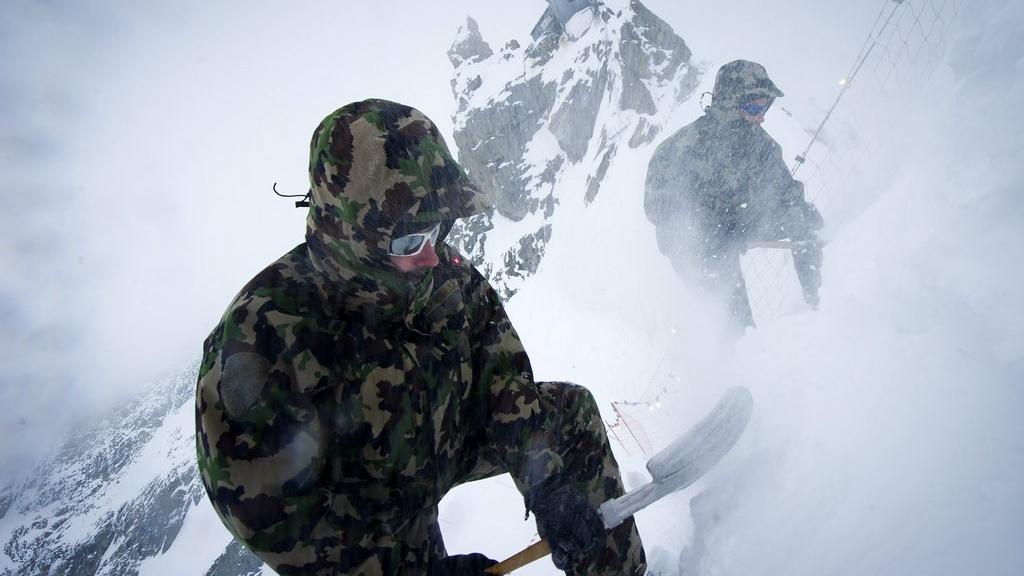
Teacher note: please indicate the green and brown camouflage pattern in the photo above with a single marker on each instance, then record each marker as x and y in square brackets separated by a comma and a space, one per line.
[378, 170]
[721, 182]
[339, 400]
[742, 80]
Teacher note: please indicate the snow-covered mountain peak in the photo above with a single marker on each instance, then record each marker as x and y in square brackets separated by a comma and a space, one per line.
[469, 45]
[541, 125]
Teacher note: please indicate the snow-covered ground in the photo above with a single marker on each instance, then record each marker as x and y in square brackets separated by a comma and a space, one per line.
[886, 437]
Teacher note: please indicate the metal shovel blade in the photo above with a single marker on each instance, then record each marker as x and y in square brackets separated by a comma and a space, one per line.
[688, 458]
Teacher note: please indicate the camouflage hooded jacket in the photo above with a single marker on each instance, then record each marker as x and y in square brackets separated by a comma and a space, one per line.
[338, 398]
[727, 175]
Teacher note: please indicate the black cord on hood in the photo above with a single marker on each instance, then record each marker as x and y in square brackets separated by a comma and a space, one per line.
[701, 101]
[304, 203]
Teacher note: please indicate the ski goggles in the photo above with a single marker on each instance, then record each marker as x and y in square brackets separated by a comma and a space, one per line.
[755, 108]
[412, 244]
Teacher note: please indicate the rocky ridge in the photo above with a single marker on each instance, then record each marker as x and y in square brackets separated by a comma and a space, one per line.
[568, 101]
[114, 494]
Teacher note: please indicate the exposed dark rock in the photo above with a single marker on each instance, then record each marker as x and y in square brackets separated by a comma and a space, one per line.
[236, 560]
[526, 258]
[541, 50]
[594, 182]
[471, 235]
[470, 47]
[492, 142]
[573, 122]
[6, 497]
[644, 133]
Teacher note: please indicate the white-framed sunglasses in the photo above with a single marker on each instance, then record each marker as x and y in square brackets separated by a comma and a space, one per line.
[412, 244]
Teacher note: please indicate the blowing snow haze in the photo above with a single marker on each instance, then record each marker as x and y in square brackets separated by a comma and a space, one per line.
[885, 437]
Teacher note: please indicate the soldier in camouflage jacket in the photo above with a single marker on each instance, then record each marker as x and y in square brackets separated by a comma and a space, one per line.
[720, 183]
[342, 395]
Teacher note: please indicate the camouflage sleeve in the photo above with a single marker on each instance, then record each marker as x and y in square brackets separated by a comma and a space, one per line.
[798, 215]
[260, 439]
[517, 433]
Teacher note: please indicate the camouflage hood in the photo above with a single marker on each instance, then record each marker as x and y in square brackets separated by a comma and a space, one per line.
[738, 81]
[378, 170]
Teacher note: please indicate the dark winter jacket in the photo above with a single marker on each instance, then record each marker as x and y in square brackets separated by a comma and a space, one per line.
[724, 176]
[339, 399]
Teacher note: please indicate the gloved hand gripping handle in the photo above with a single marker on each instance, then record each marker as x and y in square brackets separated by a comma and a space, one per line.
[674, 468]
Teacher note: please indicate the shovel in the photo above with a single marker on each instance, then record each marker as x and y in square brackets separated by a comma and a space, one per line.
[674, 468]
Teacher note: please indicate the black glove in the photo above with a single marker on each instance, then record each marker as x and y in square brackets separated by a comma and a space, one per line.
[566, 519]
[461, 565]
[807, 258]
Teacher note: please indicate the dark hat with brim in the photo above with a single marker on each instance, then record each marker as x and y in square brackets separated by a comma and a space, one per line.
[741, 79]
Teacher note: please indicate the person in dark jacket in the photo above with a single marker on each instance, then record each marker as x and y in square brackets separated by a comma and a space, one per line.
[720, 183]
[356, 380]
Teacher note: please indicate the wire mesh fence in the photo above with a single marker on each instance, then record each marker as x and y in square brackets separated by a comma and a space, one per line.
[861, 131]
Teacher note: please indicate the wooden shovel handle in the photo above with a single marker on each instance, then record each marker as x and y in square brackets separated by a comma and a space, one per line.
[535, 551]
